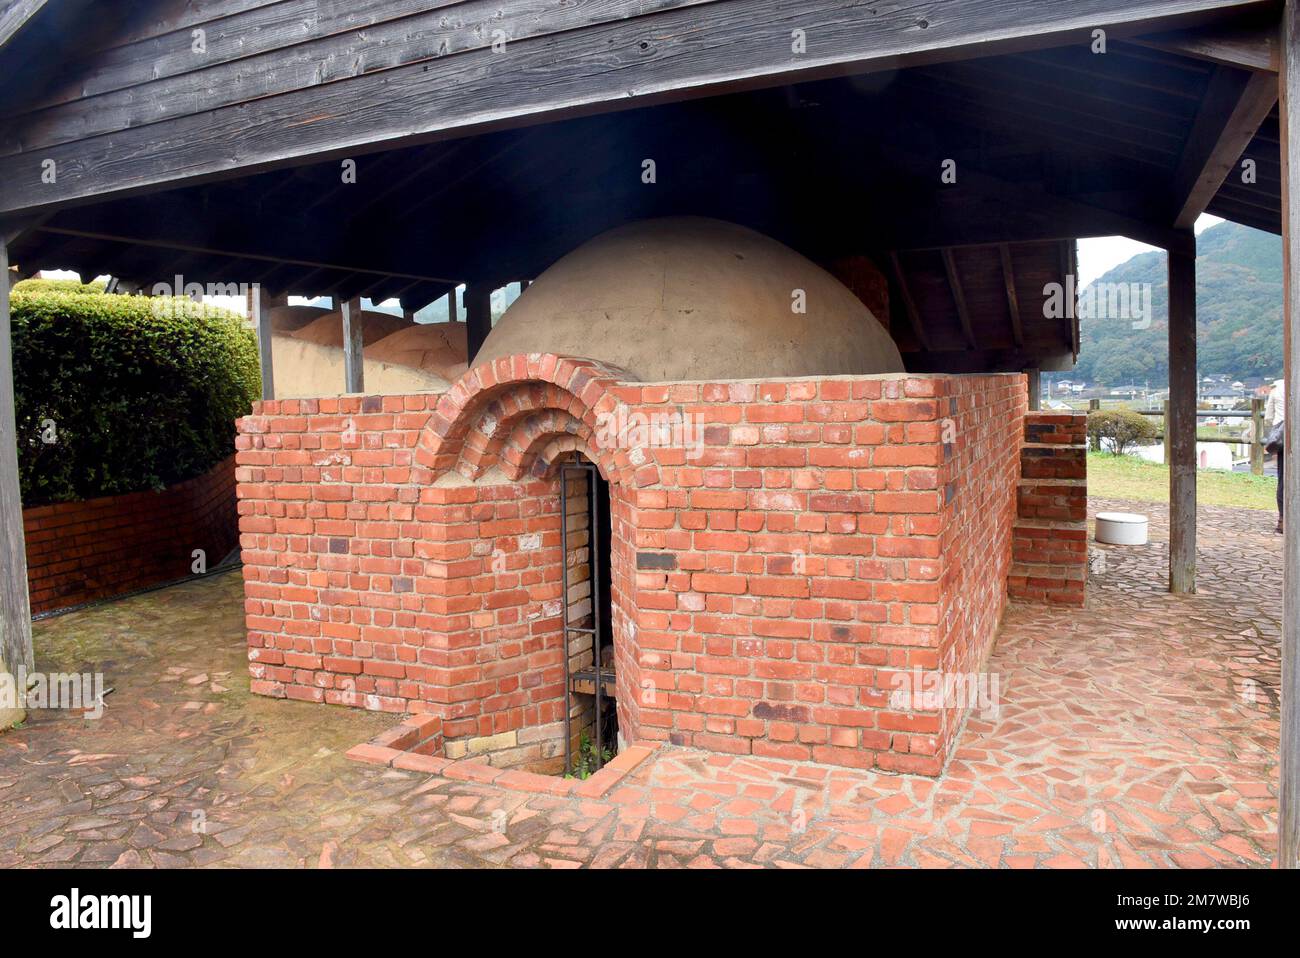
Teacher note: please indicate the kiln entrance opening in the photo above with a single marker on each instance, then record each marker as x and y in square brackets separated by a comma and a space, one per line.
[590, 713]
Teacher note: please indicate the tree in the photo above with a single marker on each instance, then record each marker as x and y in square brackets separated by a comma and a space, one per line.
[1122, 427]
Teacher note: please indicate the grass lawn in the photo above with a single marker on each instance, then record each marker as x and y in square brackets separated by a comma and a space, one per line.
[1128, 477]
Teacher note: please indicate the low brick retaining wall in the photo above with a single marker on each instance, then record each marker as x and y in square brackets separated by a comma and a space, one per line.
[416, 743]
[80, 551]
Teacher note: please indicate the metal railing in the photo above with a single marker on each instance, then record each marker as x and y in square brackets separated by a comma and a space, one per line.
[1255, 414]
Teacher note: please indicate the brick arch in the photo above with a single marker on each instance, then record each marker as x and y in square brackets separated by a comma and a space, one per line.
[539, 441]
[504, 414]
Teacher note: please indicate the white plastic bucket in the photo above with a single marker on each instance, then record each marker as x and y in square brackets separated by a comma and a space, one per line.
[1122, 528]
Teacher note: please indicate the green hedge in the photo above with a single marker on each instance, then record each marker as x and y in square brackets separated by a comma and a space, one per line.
[141, 392]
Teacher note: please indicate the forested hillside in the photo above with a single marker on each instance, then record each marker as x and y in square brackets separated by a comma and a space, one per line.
[1238, 312]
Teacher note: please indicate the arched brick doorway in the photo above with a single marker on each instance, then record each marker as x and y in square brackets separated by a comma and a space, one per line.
[494, 463]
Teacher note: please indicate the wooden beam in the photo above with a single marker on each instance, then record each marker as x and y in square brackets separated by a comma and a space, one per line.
[1289, 787]
[261, 312]
[1247, 48]
[909, 305]
[561, 70]
[354, 370]
[1013, 301]
[1235, 105]
[237, 254]
[1181, 424]
[15, 15]
[15, 607]
[986, 360]
[478, 316]
[958, 298]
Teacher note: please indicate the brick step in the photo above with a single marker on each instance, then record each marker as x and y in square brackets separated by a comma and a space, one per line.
[1055, 588]
[1050, 571]
[1080, 483]
[1053, 525]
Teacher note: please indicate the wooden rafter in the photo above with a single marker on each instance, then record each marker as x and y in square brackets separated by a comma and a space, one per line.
[239, 254]
[909, 305]
[1248, 48]
[958, 298]
[1235, 105]
[1013, 301]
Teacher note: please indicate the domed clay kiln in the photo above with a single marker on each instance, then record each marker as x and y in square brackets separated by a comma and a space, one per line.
[689, 298]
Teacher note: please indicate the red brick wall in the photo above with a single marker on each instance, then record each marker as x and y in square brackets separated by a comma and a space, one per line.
[984, 418]
[79, 551]
[762, 589]
[340, 559]
[1051, 537]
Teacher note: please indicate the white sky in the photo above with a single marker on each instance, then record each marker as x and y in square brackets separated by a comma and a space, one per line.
[1096, 256]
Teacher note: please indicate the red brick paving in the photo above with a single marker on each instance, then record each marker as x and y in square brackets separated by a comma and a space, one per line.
[1139, 732]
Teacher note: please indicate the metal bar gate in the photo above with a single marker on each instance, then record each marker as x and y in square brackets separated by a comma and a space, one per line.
[587, 470]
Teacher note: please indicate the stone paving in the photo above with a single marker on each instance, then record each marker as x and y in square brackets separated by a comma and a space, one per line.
[1143, 732]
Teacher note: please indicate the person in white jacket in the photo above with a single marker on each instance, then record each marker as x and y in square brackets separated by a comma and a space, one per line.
[1275, 404]
[1274, 415]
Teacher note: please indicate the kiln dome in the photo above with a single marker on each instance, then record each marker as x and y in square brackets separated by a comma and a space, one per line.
[688, 298]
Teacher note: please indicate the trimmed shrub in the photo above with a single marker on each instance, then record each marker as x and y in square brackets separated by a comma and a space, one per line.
[1124, 429]
[119, 394]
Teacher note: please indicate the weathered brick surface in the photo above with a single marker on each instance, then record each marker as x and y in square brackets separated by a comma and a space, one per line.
[1051, 538]
[404, 552]
[979, 482]
[80, 551]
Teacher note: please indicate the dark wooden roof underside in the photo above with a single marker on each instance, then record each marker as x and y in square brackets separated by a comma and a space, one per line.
[1049, 144]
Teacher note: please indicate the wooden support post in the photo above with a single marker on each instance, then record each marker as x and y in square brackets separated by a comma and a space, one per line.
[259, 302]
[1289, 786]
[15, 607]
[478, 316]
[354, 370]
[1035, 387]
[1257, 436]
[1180, 426]
[1164, 429]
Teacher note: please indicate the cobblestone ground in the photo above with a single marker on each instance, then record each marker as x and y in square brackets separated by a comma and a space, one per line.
[1142, 732]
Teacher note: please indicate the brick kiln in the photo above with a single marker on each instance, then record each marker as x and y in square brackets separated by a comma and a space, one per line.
[780, 522]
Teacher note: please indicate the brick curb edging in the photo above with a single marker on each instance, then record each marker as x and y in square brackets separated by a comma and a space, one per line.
[413, 746]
